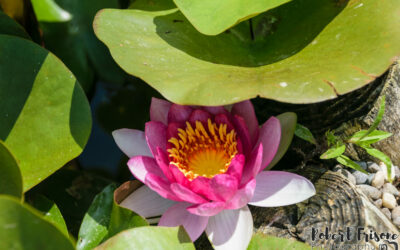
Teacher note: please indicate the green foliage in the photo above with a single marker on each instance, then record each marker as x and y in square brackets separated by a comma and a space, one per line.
[10, 27]
[50, 212]
[10, 175]
[76, 45]
[264, 242]
[304, 133]
[363, 139]
[150, 238]
[21, 227]
[47, 121]
[212, 17]
[104, 219]
[49, 11]
[288, 123]
[307, 62]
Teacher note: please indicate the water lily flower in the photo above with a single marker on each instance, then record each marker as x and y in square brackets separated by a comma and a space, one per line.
[201, 166]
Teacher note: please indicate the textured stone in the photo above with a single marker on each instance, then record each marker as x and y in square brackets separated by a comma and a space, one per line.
[388, 200]
[396, 171]
[389, 188]
[378, 203]
[396, 213]
[373, 167]
[397, 221]
[370, 191]
[370, 178]
[361, 178]
[385, 171]
[362, 164]
[386, 212]
[379, 179]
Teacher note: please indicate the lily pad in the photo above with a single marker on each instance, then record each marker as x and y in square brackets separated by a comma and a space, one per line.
[47, 121]
[105, 219]
[212, 17]
[10, 27]
[149, 238]
[21, 227]
[267, 242]
[10, 175]
[302, 51]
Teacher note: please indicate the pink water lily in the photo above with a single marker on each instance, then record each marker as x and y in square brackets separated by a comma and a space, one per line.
[201, 166]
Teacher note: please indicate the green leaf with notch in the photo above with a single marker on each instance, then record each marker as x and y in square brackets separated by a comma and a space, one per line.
[149, 237]
[267, 242]
[46, 117]
[22, 227]
[212, 17]
[304, 133]
[346, 161]
[334, 152]
[104, 219]
[10, 175]
[303, 51]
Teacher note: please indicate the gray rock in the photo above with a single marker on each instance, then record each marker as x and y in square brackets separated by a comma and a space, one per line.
[362, 164]
[386, 212]
[373, 167]
[379, 179]
[351, 178]
[361, 178]
[370, 191]
[378, 203]
[397, 222]
[396, 171]
[389, 188]
[370, 178]
[388, 200]
[396, 213]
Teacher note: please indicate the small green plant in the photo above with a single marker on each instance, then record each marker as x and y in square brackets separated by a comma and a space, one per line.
[362, 138]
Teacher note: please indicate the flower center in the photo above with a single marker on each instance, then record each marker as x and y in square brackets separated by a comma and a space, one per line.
[203, 151]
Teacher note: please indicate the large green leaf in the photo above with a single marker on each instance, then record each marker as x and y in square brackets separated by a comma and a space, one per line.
[45, 114]
[266, 242]
[21, 227]
[50, 212]
[104, 219]
[9, 27]
[212, 17]
[150, 238]
[303, 51]
[10, 175]
[76, 45]
[49, 11]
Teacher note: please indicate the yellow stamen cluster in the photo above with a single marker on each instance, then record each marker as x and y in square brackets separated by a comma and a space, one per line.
[203, 152]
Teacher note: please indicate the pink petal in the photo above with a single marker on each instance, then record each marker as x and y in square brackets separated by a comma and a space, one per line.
[146, 202]
[178, 175]
[223, 119]
[278, 188]
[201, 185]
[243, 134]
[245, 109]
[163, 162]
[207, 209]
[172, 130]
[161, 186]
[235, 169]
[156, 136]
[177, 215]
[159, 110]
[270, 136]
[131, 141]
[230, 229]
[140, 166]
[224, 186]
[199, 115]
[186, 194]
[242, 196]
[253, 164]
[179, 113]
[215, 110]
